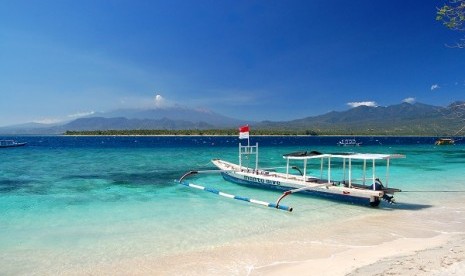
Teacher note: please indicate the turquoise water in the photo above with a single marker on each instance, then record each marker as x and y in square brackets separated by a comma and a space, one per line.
[87, 200]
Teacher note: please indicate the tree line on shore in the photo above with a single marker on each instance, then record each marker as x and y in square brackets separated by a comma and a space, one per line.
[262, 132]
[193, 132]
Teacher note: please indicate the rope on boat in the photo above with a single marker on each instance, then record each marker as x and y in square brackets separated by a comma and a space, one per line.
[217, 192]
[205, 171]
[286, 193]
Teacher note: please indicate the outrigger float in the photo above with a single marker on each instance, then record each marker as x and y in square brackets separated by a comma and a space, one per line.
[367, 190]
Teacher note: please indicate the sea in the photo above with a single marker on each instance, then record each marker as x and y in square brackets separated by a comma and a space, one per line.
[75, 205]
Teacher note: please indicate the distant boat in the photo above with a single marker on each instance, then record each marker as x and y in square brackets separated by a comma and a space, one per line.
[11, 144]
[444, 141]
[348, 142]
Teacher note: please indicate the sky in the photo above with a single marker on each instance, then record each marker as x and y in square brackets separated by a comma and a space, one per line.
[252, 60]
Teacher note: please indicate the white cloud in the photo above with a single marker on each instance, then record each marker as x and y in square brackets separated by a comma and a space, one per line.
[81, 114]
[435, 86]
[47, 121]
[61, 119]
[367, 103]
[409, 100]
[160, 102]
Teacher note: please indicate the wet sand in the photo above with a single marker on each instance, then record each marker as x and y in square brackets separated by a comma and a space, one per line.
[446, 259]
[422, 242]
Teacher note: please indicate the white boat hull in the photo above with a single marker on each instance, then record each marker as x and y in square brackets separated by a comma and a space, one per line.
[285, 182]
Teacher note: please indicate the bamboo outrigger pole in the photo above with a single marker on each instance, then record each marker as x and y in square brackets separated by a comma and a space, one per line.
[254, 201]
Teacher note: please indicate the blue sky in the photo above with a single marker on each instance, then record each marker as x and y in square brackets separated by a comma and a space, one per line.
[252, 60]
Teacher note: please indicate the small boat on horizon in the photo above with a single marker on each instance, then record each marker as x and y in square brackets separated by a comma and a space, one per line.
[11, 144]
[444, 141]
[349, 142]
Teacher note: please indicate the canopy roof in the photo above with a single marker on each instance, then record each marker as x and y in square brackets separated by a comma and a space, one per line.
[301, 155]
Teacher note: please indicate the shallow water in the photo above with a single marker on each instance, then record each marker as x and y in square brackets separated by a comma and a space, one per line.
[68, 204]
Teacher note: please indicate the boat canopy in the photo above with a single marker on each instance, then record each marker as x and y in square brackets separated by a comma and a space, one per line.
[304, 155]
[347, 157]
[350, 155]
[369, 156]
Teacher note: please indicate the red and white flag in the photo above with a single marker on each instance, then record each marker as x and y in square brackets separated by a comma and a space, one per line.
[244, 132]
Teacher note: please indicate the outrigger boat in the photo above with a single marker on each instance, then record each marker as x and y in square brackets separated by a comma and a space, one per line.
[348, 143]
[367, 190]
[11, 144]
[444, 141]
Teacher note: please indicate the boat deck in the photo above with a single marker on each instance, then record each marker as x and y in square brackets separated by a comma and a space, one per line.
[299, 179]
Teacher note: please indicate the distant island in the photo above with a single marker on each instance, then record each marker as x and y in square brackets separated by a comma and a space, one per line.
[234, 132]
[190, 132]
[405, 119]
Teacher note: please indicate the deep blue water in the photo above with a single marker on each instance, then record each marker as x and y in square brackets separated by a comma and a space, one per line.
[207, 141]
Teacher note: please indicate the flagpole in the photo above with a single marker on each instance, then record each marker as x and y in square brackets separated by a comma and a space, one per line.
[248, 138]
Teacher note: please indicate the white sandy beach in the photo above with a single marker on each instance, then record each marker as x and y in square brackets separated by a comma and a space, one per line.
[423, 242]
[428, 241]
[440, 255]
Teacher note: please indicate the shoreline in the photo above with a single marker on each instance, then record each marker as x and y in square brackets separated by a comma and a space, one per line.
[402, 241]
[398, 257]
[432, 243]
[442, 254]
[445, 259]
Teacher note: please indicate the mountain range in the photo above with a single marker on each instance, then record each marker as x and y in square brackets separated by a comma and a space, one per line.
[401, 119]
[170, 118]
